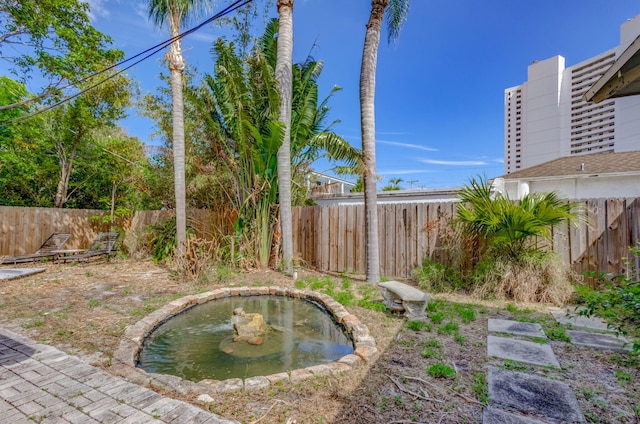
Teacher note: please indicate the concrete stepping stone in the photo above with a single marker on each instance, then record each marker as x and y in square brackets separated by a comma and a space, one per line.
[497, 416]
[600, 341]
[13, 273]
[538, 397]
[515, 327]
[569, 316]
[521, 351]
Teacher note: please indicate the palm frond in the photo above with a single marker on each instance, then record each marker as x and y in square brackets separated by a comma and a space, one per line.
[396, 15]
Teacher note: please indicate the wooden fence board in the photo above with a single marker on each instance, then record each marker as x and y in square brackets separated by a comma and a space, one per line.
[334, 217]
[360, 251]
[388, 239]
[350, 239]
[422, 244]
[617, 236]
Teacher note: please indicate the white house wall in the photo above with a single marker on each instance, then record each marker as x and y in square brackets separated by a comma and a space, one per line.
[580, 187]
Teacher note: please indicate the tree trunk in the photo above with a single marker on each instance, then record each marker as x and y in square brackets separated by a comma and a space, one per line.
[176, 67]
[66, 166]
[284, 78]
[368, 128]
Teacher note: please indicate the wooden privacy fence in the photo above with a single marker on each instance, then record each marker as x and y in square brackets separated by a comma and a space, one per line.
[23, 230]
[332, 238]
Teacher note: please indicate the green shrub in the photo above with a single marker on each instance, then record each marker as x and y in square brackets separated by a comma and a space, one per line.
[164, 241]
[436, 278]
[617, 300]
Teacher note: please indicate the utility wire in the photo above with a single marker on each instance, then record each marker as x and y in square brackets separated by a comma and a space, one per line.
[147, 54]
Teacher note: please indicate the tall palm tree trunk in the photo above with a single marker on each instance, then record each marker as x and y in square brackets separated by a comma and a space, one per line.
[368, 128]
[176, 68]
[284, 78]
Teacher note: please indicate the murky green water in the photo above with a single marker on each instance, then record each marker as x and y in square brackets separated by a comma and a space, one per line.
[189, 345]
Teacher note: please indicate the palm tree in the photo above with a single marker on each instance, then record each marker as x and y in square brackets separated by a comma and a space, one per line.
[284, 78]
[396, 11]
[177, 12]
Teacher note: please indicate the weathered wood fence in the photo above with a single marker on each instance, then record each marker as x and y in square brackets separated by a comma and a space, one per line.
[23, 230]
[331, 238]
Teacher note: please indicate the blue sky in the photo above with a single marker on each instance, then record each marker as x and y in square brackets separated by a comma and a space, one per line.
[439, 93]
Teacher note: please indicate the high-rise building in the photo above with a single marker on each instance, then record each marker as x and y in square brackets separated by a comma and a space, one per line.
[547, 117]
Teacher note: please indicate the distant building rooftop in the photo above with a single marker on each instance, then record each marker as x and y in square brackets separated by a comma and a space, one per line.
[430, 195]
[587, 165]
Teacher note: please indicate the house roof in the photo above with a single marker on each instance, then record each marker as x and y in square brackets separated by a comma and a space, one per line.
[621, 79]
[584, 165]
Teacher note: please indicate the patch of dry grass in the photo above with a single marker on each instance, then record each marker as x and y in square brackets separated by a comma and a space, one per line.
[84, 309]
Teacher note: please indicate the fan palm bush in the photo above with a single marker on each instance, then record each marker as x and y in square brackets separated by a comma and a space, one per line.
[512, 265]
[510, 227]
[507, 261]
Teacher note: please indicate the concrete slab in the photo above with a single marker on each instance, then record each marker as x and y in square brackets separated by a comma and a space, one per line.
[537, 397]
[515, 327]
[570, 316]
[521, 351]
[13, 273]
[496, 416]
[600, 341]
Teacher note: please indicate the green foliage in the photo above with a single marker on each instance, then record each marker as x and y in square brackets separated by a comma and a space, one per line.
[557, 333]
[73, 155]
[479, 387]
[233, 136]
[466, 312]
[509, 226]
[33, 324]
[436, 317]
[433, 343]
[164, 239]
[394, 184]
[440, 370]
[53, 41]
[344, 298]
[617, 299]
[374, 306]
[417, 325]
[436, 278]
[449, 328]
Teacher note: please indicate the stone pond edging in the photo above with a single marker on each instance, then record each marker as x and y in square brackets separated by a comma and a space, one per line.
[124, 358]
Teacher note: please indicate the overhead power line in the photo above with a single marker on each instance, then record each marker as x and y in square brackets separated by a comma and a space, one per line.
[144, 56]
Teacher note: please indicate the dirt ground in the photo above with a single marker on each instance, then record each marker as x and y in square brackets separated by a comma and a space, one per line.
[433, 372]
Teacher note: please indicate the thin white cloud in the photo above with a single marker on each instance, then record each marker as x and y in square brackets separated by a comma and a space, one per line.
[390, 133]
[408, 145]
[454, 162]
[97, 9]
[406, 172]
[202, 36]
